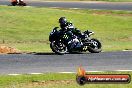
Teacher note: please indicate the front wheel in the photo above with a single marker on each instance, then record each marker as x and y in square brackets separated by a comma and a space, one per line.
[58, 47]
[95, 46]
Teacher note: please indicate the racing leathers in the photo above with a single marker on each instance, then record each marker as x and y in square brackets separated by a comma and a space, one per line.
[73, 36]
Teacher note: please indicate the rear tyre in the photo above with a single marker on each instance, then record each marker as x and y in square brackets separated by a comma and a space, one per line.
[95, 46]
[22, 4]
[13, 3]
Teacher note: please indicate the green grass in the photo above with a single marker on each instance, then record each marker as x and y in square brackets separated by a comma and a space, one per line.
[8, 80]
[54, 80]
[28, 28]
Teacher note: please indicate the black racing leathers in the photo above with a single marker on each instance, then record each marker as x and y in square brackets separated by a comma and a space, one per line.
[69, 27]
[73, 34]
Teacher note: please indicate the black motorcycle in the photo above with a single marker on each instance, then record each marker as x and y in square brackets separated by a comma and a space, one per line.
[21, 3]
[59, 45]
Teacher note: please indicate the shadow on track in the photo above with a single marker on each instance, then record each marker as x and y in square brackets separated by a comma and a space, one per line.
[43, 53]
[52, 53]
[47, 53]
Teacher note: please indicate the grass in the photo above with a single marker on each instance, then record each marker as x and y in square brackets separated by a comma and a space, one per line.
[53, 80]
[8, 80]
[28, 28]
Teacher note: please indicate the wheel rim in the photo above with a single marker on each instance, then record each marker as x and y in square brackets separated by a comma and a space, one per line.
[59, 47]
[96, 44]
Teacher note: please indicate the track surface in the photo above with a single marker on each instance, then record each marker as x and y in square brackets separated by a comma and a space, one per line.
[48, 62]
[84, 5]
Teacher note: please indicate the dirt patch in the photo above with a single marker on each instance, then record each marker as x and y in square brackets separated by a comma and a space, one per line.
[110, 13]
[97, 12]
[51, 82]
[126, 39]
[8, 50]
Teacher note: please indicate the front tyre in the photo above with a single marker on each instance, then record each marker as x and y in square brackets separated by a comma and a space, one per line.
[95, 46]
[58, 47]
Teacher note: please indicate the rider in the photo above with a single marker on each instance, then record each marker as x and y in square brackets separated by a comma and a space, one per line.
[71, 30]
[17, 1]
[65, 25]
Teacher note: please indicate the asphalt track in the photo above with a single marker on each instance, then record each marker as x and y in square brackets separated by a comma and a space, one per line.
[49, 62]
[84, 5]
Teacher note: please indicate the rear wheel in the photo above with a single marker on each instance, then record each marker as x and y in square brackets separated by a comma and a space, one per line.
[95, 46]
[13, 3]
[22, 4]
[58, 47]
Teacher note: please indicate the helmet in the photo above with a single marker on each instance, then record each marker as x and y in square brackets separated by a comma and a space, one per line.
[62, 20]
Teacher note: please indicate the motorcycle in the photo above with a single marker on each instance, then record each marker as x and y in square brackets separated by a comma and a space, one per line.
[16, 3]
[59, 46]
